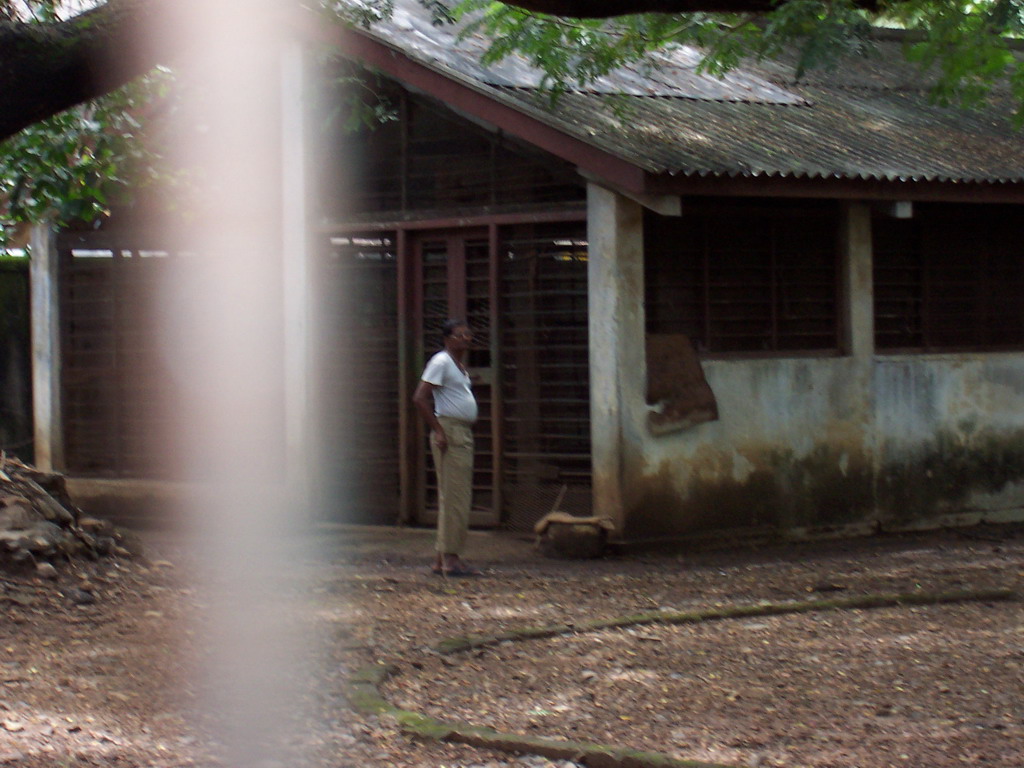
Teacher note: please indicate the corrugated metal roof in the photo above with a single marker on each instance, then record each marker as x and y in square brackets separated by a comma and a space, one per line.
[410, 28]
[868, 120]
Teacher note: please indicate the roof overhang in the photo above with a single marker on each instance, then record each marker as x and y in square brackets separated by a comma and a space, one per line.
[834, 188]
[472, 99]
[595, 164]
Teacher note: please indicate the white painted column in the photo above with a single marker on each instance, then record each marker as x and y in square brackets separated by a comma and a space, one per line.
[298, 299]
[858, 324]
[858, 282]
[617, 357]
[46, 359]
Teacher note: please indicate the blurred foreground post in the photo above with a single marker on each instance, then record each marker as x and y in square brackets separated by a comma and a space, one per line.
[238, 347]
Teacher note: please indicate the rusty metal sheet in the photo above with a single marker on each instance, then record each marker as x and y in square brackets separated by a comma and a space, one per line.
[676, 382]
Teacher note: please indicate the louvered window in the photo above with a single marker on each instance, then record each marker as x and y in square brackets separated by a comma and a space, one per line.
[741, 278]
[950, 278]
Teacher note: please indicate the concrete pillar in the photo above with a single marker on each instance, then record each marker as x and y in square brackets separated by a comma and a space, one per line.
[298, 299]
[46, 359]
[858, 322]
[617, 356]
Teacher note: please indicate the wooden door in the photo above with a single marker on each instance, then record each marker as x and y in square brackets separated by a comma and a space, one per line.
[454, 275]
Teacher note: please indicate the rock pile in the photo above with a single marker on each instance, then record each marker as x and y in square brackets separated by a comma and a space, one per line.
[39, 524]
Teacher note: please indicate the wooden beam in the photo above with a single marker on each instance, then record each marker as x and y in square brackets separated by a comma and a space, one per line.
[666, 205]
[836, 189]
[551, 213]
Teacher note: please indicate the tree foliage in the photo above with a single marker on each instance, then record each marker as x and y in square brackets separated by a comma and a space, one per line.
[966, 47]
[75, 165]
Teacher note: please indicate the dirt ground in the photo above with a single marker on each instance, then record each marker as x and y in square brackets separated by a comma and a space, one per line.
[111, 681]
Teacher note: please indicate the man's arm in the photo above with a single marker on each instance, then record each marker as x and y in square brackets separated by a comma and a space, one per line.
[423, 397]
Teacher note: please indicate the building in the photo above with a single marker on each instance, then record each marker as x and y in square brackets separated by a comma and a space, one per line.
[703, 307]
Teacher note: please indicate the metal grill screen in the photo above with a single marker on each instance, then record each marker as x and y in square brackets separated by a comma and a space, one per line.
[544, 373]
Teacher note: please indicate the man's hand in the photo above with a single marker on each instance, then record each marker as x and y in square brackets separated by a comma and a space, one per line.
[441, 440]
[423, 398]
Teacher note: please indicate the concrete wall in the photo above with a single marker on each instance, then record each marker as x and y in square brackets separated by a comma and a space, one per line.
[950, 436]
[793, 447]
[803, 445]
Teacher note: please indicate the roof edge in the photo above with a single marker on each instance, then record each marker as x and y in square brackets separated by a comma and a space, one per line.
[899, 35]
[843, 188]
[462, 93]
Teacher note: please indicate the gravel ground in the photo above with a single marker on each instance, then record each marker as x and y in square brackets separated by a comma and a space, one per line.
[112, 682]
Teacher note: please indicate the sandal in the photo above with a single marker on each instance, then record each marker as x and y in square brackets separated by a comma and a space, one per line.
[461, 571]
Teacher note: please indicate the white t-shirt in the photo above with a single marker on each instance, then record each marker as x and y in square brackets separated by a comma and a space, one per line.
[453, 396]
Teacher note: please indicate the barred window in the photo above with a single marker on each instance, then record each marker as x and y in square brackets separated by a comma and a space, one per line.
[951, 278]
[745, 277]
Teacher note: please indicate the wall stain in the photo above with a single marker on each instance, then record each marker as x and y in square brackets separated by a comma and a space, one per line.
[832, 486]
[921, 482]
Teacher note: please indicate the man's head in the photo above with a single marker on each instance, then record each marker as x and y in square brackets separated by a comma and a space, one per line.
[456, 332]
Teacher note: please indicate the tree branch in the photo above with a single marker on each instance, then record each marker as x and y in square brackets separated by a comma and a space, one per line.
[47, 68]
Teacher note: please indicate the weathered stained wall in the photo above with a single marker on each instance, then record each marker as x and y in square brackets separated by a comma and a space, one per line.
[847, 443]
[809, 444]
[793, 447]
[950, 436]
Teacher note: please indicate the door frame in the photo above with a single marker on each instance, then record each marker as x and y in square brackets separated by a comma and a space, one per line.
[410, 356]
[413, 435]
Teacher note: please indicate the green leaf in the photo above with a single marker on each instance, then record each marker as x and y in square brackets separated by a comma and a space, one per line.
[73, 164]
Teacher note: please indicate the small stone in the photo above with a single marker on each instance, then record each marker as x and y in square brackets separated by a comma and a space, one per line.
[13, 726]
[79, 596]
[43, 535]
[104, 545]
[16, 515]
[72, 547]
[45, 570]
[19, 598]
[93, 525]
[53, 510]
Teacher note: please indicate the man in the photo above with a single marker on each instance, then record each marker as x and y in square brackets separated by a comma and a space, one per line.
[444, 398]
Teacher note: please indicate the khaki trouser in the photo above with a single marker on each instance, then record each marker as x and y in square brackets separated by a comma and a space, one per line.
[454, 485]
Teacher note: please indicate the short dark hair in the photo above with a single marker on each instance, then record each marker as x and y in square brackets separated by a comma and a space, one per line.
[451, 324]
